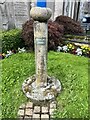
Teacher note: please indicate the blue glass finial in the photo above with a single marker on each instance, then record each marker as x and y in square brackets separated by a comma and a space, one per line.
[41, 3]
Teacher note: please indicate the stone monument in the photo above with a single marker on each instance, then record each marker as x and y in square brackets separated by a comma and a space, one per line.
[40, 88]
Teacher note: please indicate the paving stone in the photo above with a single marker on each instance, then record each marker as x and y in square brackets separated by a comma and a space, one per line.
[28, 112]
[27, 118]
[51, 111]
[22, 106]
[44, 109]
[53, 105]
[36, 109]
[36, 116]
[21, 112]
[29, 105]
[45, 116]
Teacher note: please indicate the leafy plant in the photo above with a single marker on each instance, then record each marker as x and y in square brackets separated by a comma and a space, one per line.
[86, 49]
[70, 25]
[11, 40]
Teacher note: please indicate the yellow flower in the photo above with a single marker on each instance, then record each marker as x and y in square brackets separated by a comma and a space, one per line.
[3, 54]
[82, 47]
[70, 45]
[83, 50]
[73, 47]
[89, 48]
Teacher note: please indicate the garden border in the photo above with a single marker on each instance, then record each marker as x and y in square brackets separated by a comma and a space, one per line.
[75, 41]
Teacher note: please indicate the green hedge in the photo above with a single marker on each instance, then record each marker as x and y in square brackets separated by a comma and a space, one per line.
[11, 40]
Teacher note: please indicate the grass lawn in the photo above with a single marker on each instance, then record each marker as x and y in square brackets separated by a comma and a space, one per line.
[71, 70]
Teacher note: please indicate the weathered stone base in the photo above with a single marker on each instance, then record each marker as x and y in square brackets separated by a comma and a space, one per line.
[29, 111]
[43, 94]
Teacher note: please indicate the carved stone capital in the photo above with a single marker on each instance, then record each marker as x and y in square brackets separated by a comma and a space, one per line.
[41, 14]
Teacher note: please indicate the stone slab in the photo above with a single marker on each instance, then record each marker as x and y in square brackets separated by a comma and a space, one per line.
[21, 112]
[29, 105]
[27, 118]
[27, 112]
[22, 106]
[45, 116]
[51, 111]
[36, 116]
[36, 109]
[53, 105]
[44, 109]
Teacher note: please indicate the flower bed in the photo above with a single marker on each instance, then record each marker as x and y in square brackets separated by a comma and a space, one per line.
[76, 49]
[11, 52]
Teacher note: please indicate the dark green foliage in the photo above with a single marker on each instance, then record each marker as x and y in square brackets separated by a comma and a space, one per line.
[55, 32]
[11, 40]
[70, 25]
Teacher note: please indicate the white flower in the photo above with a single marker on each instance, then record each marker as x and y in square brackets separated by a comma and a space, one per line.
[65, 48]
[21, 50]
[9, 52]
[79, 51]
[59, 48]
[18, 49]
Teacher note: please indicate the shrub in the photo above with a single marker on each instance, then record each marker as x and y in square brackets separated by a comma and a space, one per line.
[55, 32]
[11, 40]
[70, 25]
[28, 34]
